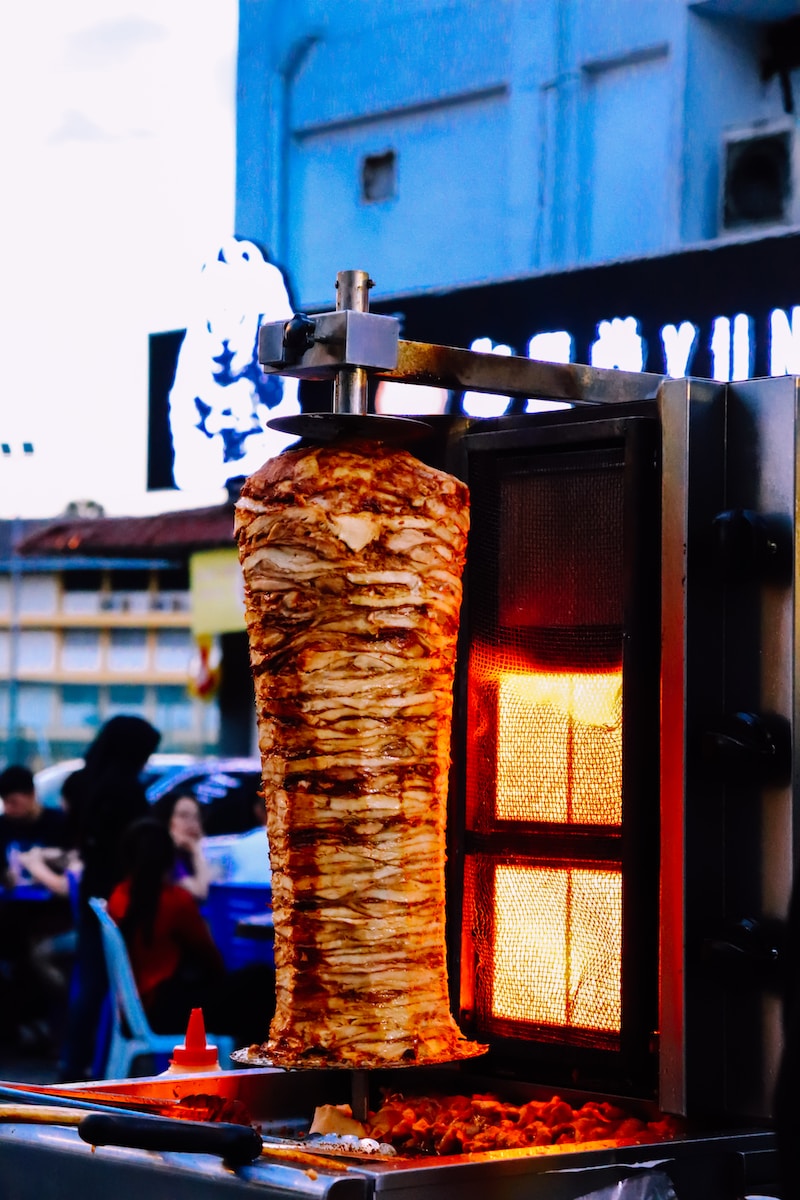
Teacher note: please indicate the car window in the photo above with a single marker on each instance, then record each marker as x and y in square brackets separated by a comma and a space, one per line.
[228, 797]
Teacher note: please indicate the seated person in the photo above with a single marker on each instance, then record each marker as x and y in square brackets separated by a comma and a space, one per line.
[53, 956]
[182, 816]
[249, 856]
[242, 857]
[57, 870]
[176, 964]
[34, 995]
[25, 822]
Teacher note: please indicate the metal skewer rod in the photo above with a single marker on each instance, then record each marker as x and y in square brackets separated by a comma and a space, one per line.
[359, 1095]
[351, 385]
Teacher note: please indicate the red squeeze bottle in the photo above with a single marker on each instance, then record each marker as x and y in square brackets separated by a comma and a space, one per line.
[196, 1054]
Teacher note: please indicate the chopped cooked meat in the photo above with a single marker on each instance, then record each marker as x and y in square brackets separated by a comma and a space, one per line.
[469, 1124]
[336, 1118]
[352, 559]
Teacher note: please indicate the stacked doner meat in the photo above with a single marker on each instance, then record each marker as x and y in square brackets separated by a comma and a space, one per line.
[352, 558]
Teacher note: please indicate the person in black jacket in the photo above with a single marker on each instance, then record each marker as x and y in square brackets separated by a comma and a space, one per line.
[102, 799]
[24, 822]
[27, 1001]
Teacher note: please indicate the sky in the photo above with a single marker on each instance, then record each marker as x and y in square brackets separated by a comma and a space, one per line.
[118, 147]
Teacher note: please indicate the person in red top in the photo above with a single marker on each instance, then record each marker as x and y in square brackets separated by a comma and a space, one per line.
[176, 964]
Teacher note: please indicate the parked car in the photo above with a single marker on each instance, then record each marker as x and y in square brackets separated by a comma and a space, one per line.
[228, 791]
[50, 780]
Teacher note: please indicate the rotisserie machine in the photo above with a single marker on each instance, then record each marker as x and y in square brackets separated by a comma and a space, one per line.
[621, 818]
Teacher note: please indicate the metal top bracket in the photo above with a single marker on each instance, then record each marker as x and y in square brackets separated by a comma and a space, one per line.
[351, 344]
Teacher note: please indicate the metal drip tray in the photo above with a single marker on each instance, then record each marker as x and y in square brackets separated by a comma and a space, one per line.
[46, 1162]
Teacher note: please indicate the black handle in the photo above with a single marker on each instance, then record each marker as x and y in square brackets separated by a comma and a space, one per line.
[747, 952]
[750, 748]
[753, 547]
[298, 336]
[236, 1144]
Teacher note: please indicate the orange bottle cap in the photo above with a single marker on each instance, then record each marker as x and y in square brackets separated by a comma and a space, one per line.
[195, 1051]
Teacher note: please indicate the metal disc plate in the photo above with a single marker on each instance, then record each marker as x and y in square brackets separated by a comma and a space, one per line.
[326, 427]
[256, 1056]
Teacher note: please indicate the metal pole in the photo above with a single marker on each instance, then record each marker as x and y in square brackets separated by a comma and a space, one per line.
[351, 385]
[13, 746]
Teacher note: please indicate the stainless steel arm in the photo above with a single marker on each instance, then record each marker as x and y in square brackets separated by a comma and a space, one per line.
[352, 345]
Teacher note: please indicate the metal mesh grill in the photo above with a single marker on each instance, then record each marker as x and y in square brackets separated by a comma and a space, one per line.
[544, 743]
[554, 527]
[558, 745]
[549, 947]
[545, 679]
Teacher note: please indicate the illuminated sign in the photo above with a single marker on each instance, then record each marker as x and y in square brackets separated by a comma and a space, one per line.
[726, 311]
[723, 310]
[619, 345]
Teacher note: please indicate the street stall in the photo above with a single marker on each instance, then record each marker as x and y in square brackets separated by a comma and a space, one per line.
[529, 943]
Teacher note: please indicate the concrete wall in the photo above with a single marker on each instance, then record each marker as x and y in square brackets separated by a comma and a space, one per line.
[526, 137]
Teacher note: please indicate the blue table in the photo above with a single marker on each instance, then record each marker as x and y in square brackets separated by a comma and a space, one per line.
[28, 892]
[227, 907]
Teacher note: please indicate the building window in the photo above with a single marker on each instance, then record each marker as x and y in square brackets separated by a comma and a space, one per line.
[129, 591]
[173, 579]
[82, 581]
[81, 591]
[379, 177]
[174, 710]
[36, 706]
[80, 650]
[126, 701]
[173, 650]
[172, 590]
[80, 706]
[36, 650]
[127, 650]
[38, 594]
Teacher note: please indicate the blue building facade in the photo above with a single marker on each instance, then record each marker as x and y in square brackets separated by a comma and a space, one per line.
[456, 145]
[504, 137]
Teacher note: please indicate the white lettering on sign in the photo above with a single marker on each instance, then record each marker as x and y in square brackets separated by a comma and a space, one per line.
[784, 342]
[486, 404]
[555, 347]
[721, 349]
[742, 357]
[679, 343]
[409, 399]
[731, 348]
[619, 345]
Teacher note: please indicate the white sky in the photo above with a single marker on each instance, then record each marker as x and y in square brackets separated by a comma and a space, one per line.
[117, 143]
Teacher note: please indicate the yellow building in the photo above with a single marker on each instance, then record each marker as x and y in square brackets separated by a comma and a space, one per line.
[97, 617]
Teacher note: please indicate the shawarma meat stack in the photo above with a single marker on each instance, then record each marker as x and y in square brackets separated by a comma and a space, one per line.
[352, 557]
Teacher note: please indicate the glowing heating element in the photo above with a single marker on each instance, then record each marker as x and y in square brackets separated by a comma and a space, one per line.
[557, 947]
[559, 747]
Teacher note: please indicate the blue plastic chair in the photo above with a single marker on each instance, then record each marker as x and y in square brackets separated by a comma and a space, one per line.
[131, 1035]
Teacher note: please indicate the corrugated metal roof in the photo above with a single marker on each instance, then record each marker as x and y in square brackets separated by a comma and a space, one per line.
[174, 534]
